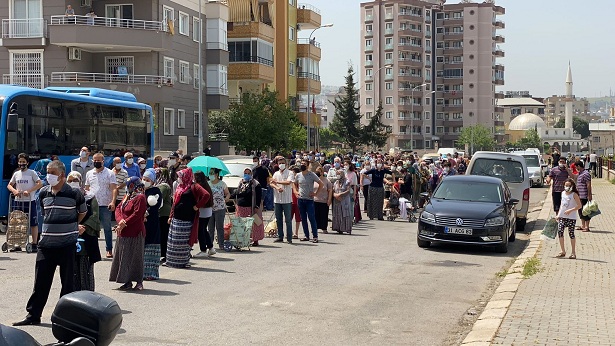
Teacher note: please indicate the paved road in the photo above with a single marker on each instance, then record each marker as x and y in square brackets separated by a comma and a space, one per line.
[371, 288]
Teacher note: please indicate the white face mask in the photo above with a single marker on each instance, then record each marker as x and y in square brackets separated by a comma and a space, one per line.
[393, 169]
[172, 162]
[118, 166]
[74, 185]
[146, 184]
[446, 169]
[83, 154]
[568, 188]
[142, 166]
[367, 167]
[53, 179]
[130, 161]
[562, 166]
[282, 166]
[379, 165]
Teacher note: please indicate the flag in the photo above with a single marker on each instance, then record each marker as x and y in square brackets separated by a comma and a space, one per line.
[314, 105]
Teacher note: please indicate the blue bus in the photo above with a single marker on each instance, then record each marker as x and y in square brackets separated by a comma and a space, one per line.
[59, 121]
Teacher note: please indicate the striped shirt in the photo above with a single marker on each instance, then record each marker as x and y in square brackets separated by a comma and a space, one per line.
[284, 197]
[559, 177]
[582, 180]
[60, 216]
[120, 178]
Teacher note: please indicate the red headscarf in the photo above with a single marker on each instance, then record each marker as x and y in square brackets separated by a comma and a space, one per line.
[185, 179]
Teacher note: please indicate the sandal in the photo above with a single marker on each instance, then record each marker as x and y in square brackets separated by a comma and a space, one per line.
[584, 229]
[579, 228]
[295, 237]
[325, 231]
[304, 239]
[315, 240]
[561, 254]
[138, 287]
[573, 256]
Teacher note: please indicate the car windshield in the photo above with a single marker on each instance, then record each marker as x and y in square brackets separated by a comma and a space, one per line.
[236, 169]
[531, 160]
[510, 171]
[468, 191]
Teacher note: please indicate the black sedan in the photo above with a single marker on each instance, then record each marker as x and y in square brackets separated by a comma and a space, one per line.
[469, 209]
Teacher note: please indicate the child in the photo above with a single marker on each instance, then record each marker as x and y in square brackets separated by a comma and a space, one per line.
[567, 216]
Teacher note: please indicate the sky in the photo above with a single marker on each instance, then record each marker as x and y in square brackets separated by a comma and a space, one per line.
[541, 37]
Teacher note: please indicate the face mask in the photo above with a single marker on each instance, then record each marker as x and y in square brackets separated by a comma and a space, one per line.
[247, 177]
[337, 165]
[367, 167]
[282, 166]
[254, 164]
[130, 161]
[562, 166]
[74, 185]
[53, 179]
[118, 166]
[97, 165]
[318, 174]
[83, 154]
[142, 166]
[379, 165]
[212, 177]
[23, 166]
[393, 169]
[346, 168]
[303, 168]
[146, 184]
[568, 188]
[172, 162]
[297, 157]
[310, 158]
[157, 162]
[446, 170]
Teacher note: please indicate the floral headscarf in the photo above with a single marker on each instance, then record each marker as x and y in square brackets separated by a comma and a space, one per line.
[134, 186]
[163, 176]
[185, 177]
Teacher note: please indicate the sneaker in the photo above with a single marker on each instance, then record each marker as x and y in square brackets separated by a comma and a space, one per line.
[34, 248]
[279, 240]
[211, 252]
[202, 254]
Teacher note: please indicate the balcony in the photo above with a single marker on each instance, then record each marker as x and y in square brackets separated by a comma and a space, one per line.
[369, 18]
[498, 67]
[250, 68]
[31, 80]
[252, 30]
[307, 48]
[388, 32]
[103, 34]
[24, 33]
[389, 16]
[369, 33]
[147, 88]
[499, 39]
[389, 46]
[304, 78]
[499, 24]
[369, 48]
[388, 61]
[498, 53]
[369, 63]
[302, 115]
[308, 17]
[498, 81]
[499, 95]
[499, 10]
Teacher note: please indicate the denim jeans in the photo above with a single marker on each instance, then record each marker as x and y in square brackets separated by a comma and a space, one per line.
[105, 219]
[216, 226]
[306, 210]
[268, 198]
[285, 208]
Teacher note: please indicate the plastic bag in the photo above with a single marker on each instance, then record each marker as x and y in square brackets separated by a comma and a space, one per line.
[593, 213]
[550, 230]
[590, 207]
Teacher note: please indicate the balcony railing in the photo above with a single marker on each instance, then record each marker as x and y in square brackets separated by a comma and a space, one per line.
[24, 28]
[308, 7]
[312, 76]
[252, 58]
[111, 22]
[109, 78]
[308, 41]
[31, 80]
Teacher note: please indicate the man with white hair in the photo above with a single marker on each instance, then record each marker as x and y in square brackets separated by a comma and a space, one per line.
[83, 164]
[102, 184]
[130, 167]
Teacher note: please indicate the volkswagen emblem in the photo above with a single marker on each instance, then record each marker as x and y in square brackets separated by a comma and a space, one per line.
[459, 222]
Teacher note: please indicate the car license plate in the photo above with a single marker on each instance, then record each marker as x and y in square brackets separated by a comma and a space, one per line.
[457, 230]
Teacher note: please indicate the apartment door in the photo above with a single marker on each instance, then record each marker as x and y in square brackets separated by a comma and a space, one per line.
[27, 18]
[119, 68]
[119, 15]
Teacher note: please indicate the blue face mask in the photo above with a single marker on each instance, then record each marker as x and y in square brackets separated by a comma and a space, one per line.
[247, 177]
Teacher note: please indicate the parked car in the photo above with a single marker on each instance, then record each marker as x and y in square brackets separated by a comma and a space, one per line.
[236, 165]
[536, 166]
[512, 169]
[469, 209]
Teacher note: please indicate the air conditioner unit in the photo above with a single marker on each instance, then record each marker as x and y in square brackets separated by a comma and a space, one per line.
[74, 54]
[86, 3]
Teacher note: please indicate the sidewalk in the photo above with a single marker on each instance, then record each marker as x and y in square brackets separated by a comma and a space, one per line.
[570, 302]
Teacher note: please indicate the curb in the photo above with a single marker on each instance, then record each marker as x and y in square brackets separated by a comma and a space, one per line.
[486, 327]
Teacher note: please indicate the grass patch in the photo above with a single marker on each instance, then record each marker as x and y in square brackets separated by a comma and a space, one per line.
[612, 181]
[502, 273]
[531, 267]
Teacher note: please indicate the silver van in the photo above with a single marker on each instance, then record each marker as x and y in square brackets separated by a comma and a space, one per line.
[512, 169]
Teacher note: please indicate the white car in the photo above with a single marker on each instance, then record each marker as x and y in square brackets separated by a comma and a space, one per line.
[236, 165]
[536, 166]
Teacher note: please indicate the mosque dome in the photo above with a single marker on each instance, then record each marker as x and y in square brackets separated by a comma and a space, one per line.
[527, 121]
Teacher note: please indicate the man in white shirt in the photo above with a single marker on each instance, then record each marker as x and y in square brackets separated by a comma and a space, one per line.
[282, 197]
[102, 184]
[23, 185]
[593, 158]
[83, 164]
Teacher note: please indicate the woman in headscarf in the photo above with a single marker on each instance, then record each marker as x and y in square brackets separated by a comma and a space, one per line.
[342, 203]
[322, 201]
[248, 195]
[376, 191]
[88, 241]
[163, 179]
[129, 248]
[152, 226]
[184, 219]
[416, 183]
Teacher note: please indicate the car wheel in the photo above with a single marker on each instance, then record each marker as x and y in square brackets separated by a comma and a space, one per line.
[520, 224]
[423, 243]
[513, 234]
[542, 182]
[502, 248]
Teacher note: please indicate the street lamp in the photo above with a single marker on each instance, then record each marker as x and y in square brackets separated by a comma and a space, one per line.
[412, 113]
[308, 83]
[200, 76]
[377, 85]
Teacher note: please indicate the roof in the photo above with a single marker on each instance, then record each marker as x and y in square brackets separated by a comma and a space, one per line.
[519, 101]
[474, 178]
[527, 121]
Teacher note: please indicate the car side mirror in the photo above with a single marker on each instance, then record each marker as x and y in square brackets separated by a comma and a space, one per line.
[11, 120]
[513, 201]
[424, 195]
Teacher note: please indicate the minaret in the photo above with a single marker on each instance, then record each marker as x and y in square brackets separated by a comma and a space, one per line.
[569, 97]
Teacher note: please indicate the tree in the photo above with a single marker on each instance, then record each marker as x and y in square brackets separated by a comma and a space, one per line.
[531, 140]
[375, 131]
[579, 125]
[347, 117]
[327, 137]
[262, 122]
[479, 135]
[218, 122]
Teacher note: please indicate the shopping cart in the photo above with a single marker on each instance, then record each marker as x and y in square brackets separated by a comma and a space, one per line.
[18, 228]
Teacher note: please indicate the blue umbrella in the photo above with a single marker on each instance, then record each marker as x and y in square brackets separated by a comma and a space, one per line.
[205, 163]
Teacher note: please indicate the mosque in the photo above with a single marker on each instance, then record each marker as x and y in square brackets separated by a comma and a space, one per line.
[564, 139]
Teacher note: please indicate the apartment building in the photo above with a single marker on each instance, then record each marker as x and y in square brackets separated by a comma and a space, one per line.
[556, 107]
[144, 48]
[433, 66]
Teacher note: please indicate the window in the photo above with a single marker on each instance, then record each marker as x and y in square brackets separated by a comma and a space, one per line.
[388, 70]
[196, 78]
[169, 69]
[368, 86]
[427, 129]
[27, 68]
[368, 72]
[388, 56]
[216, 34]
[196, 123]
[196, 29]
[389, 100]
[292, 2]
[368, 42]
[168, 118]
[217, 77]
[388, 86]
[439, 129]
[168, 16]
[427, 115]
[184, 27]
[368, 101]
[184, 72]
[181, 119]
[368, 115]
[368, 27]
[427, 144]
[291, 69]
[291, 33]
[389, 40]
[388, 115]
[388, 26]
[368, 57]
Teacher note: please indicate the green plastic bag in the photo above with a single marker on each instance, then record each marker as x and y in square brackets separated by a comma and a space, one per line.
[590, 207]
[550, 230]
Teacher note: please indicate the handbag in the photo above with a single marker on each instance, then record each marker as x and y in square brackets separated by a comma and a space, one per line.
[257, 219]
